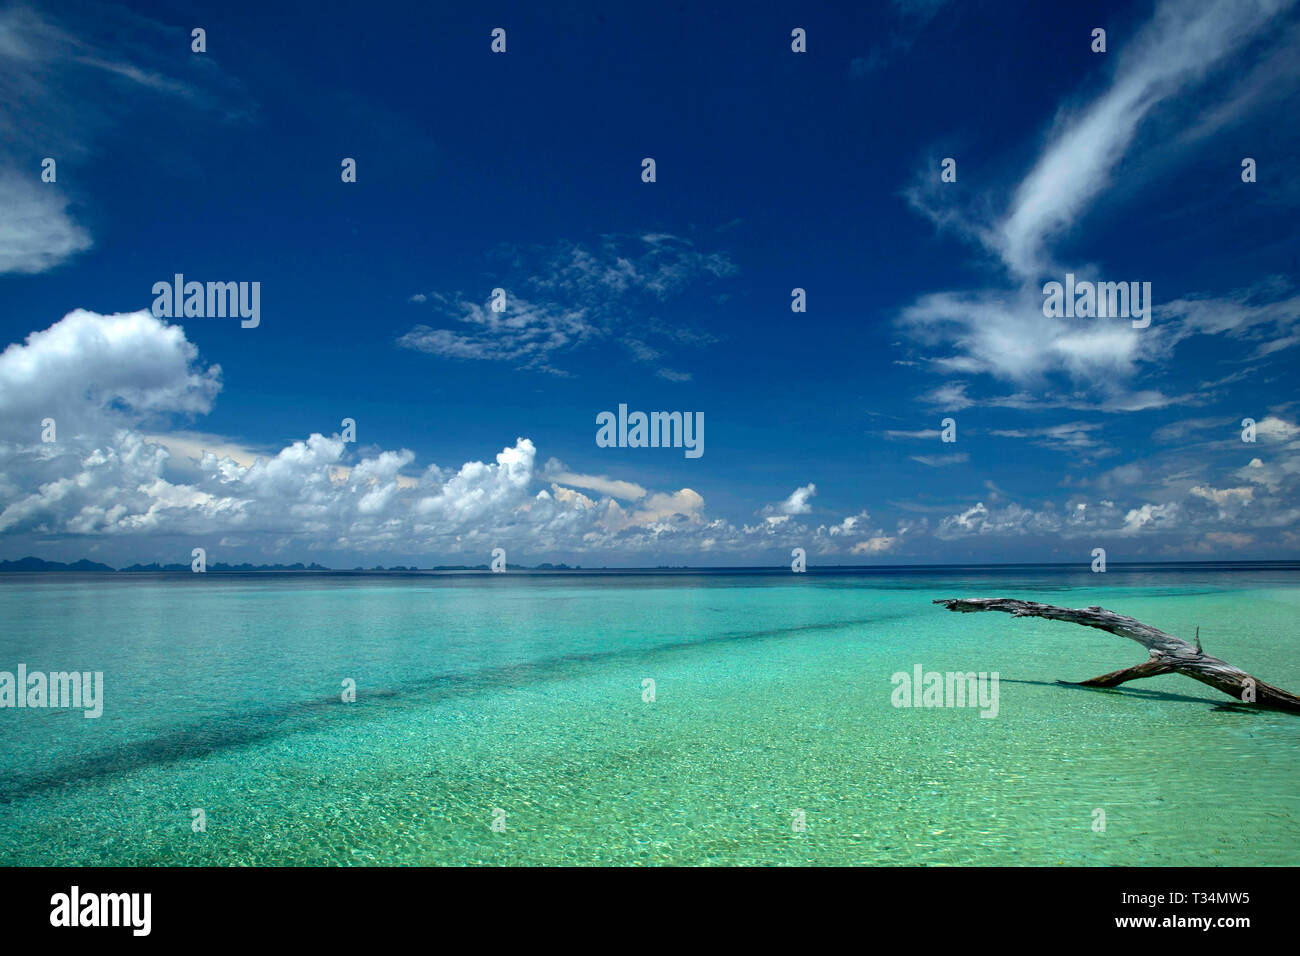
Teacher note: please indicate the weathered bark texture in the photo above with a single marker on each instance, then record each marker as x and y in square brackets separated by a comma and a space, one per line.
[1167, 653]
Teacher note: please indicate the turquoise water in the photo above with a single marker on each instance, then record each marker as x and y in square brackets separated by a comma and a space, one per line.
[524, 693]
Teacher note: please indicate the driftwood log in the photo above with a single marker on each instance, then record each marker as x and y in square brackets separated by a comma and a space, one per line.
[1167, 654]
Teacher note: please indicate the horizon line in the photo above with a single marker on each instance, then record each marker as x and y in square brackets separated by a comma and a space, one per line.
[298, 567]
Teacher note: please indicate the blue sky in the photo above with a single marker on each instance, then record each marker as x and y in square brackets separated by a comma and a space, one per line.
[775, 170]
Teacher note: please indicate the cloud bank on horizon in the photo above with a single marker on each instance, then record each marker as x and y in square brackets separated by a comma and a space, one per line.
[477, 412]
[108, 380]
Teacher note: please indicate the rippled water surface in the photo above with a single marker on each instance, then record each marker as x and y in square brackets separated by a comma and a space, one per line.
[524, 694]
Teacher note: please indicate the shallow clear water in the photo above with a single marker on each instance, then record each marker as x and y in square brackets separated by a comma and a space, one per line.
[524, 693]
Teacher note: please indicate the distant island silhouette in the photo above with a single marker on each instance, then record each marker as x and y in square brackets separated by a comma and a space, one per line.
[32, 564]
[84, 566]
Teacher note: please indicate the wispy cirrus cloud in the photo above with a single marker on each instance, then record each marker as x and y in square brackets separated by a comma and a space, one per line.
[1067, 436]
[570, 295]
[940, 461]
[528, 334]
[999, 330]
[62, 91]
[556, 471]
[1172, 54]
[911, 17]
